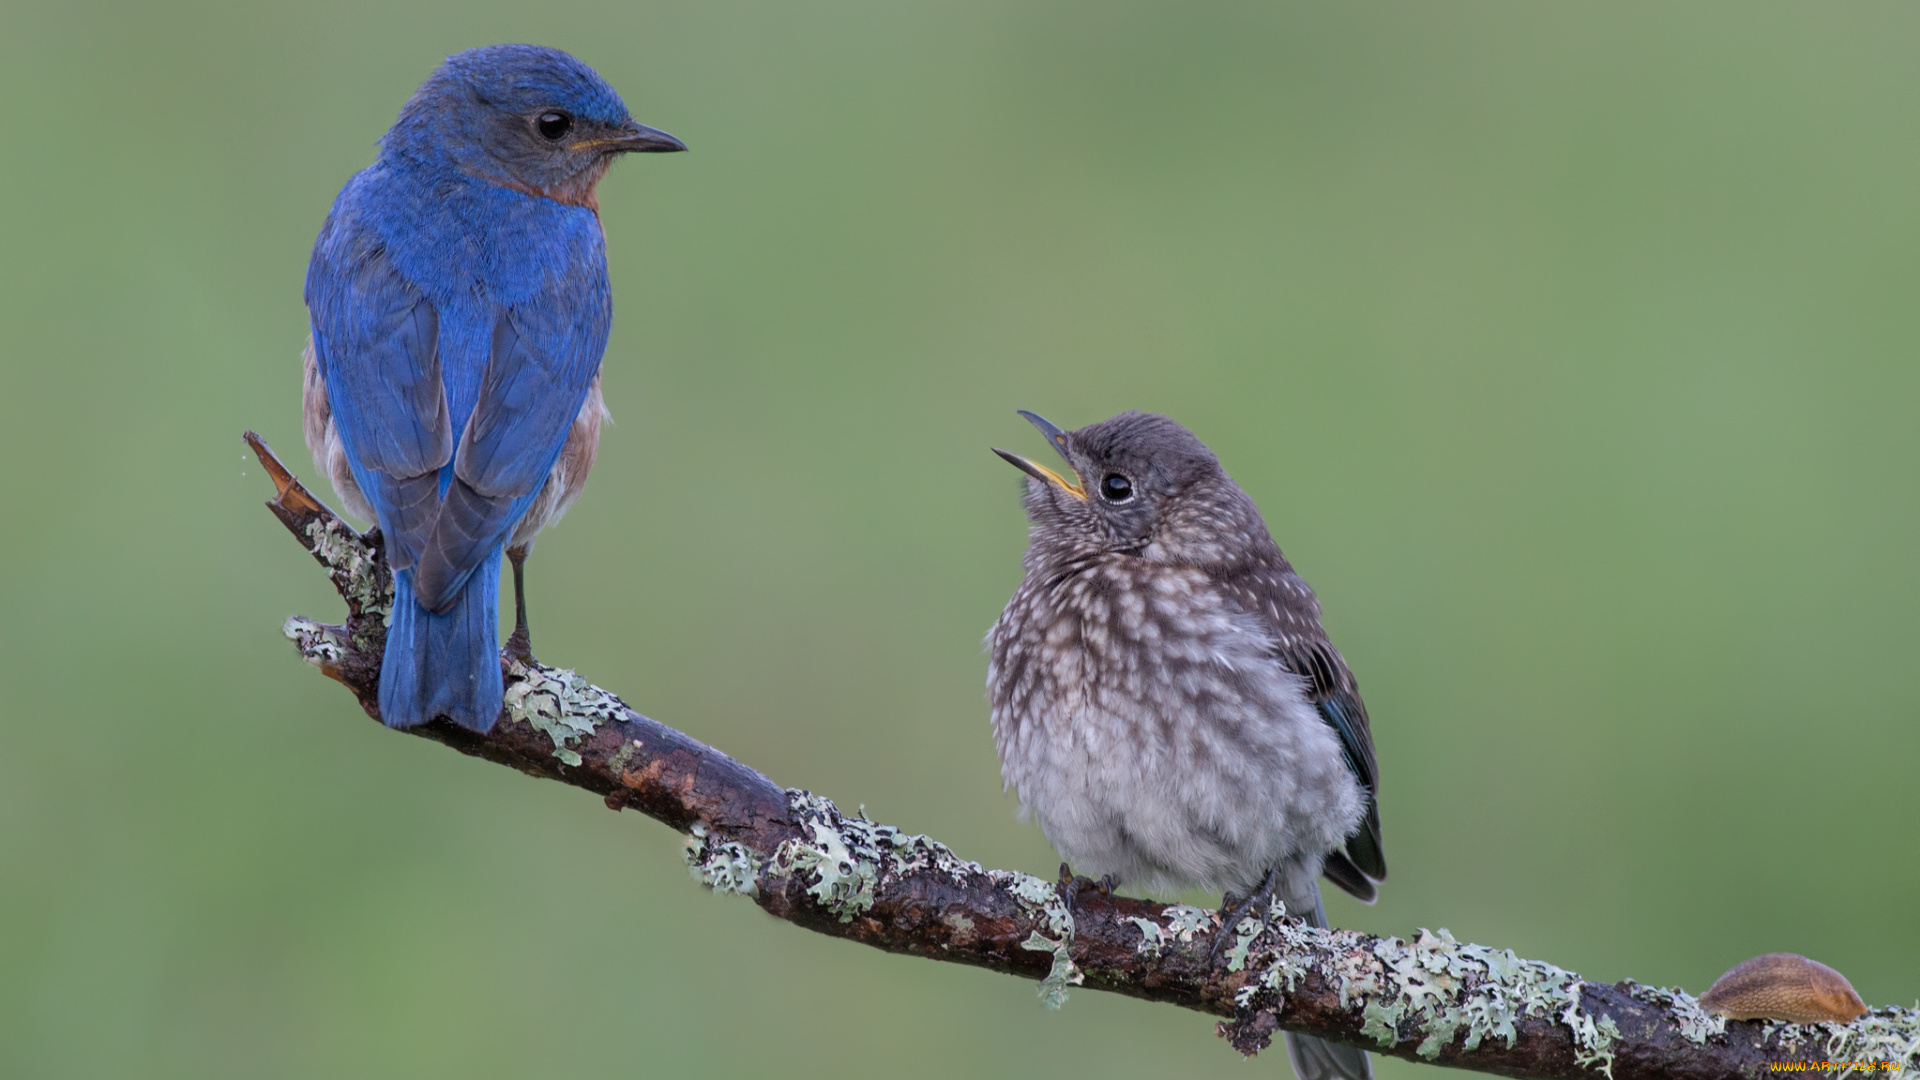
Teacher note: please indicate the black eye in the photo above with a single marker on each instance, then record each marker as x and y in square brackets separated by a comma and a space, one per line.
[553, 126]
[1116, 488]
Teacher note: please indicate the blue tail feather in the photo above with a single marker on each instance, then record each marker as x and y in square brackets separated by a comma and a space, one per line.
[445, 664]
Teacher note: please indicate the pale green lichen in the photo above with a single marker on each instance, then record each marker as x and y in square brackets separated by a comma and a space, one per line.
[1379, 1023]
[847, 858]
[560, 703]
[901, 853]
[842, 884]
[1356, 973]
[1151, 939]
[617, 764]
[893, 852]
[1696, 1025]
[1592, 1041]
[1063, 973]
[1244, 932]
[316, 643]
[1883, 1037]
[356, 571]
[1055, 934]
[1784, 1035]
[1185, 920]
[1033, 891]
[1495, 989]
[1440, 988]
[723, 866]
[1290, 941]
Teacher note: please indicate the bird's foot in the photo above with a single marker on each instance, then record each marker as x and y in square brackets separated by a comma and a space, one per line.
[519, 647]
[1072, 885]
[1235, 908]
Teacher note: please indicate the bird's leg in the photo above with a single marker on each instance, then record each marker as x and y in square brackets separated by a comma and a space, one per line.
[1262, 897]
[1235, 908]
[520, 645]
[1071, 885]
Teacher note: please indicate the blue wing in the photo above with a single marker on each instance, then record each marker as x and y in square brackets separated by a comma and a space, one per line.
[375, 338]
[448, 488]
[545, 354]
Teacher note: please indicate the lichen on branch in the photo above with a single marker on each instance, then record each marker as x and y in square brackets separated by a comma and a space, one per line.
[799, 858]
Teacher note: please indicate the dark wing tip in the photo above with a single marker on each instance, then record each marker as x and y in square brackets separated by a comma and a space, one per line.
[1340, 870]
[1363, 847]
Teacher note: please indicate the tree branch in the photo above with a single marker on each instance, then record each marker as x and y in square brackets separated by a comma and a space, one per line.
[800, 859]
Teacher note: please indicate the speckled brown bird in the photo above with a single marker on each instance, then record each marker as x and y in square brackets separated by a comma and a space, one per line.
[1165, 702]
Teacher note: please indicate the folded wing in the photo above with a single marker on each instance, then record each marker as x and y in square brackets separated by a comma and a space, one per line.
[1331, 688]
[544, 357]
[375, 339]
[447, 494]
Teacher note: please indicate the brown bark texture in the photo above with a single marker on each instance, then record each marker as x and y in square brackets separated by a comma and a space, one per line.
[1429, 999]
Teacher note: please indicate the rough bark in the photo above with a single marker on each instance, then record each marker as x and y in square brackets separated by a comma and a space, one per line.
[1431, 999]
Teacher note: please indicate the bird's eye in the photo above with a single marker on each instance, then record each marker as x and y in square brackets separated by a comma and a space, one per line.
[553, 126]
[1116, 488]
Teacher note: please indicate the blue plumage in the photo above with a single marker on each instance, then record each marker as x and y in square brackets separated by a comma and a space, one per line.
[460, 306]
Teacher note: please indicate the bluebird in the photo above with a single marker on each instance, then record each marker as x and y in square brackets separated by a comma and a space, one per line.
[1165, 702]
[459, 303]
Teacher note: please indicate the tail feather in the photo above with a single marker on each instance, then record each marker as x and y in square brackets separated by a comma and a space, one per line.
[1318, 1059]
[446, 663]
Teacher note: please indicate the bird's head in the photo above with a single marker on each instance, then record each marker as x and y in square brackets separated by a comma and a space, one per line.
[1141, 485]
[523, 116]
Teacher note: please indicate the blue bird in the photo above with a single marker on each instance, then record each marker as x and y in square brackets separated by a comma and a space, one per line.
[459, 303]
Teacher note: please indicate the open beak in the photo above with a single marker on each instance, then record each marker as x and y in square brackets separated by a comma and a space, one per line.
[1058, 439]
[638, 138]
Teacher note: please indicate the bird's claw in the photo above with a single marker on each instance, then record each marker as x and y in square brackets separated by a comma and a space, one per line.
[519, 647]
[1071, 885]
[1233, 909]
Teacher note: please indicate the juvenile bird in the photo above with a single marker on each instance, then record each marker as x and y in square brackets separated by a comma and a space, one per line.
[1165, 702]
[459, 306]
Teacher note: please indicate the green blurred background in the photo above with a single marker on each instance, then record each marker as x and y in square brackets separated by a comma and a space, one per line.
[1569, 350]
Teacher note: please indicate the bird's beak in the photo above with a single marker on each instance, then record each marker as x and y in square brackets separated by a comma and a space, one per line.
[637, 138]
[1040, 472]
